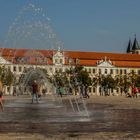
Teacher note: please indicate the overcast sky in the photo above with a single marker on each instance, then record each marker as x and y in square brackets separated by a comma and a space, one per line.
[83, 25]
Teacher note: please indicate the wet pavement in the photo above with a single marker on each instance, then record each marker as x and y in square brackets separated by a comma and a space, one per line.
[53, 118]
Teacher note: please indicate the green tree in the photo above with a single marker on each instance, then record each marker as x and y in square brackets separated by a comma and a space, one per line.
[8, 78]
[72, 78]
[107, 83]
[138, 81]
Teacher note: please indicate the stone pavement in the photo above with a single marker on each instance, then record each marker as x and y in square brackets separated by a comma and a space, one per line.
[113, 118]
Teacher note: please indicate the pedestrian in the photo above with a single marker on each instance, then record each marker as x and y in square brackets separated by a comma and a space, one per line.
[34, 91]
[135, 91]
[106, 91]
[86, 92]
[82, 91]
[1, 96]
[59, 91]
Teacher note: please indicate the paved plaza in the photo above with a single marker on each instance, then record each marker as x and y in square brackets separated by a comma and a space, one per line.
[111, 117]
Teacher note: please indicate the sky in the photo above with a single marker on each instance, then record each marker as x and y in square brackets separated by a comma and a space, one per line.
[83, 25]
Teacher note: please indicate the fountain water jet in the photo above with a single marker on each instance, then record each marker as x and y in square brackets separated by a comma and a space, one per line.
[34, 31]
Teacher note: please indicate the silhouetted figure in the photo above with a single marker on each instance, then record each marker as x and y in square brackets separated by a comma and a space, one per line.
[34, 91]
[86, 91]
[135, 91]
[1, 96]
[60, 91]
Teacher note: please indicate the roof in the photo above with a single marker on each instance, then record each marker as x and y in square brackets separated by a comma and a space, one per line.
[101, 55]
[128, 64]
[85, 58]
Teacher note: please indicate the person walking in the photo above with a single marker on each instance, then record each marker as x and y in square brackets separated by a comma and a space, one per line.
[59, 91]
[86, 91]
[1, 96]
[135, 91]
[34, 91]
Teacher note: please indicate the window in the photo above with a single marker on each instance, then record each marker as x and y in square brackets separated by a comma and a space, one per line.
[9, 68]
[89, 70]
[100, 71]
[124, 71]
[94, 89]
[51, 69]
[20, 69]
[8, 89]
[138, 72]
[121, 71]
[56, 70]
[105, 71]
[89, 89]
[93, 70]
[132, 71]
[111, 71]
[24, 69]
[116, 71]
[61, 61]
[56, 61]
[14, 68]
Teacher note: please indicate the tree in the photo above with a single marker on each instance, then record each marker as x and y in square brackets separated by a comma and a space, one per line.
[8, 78]
[107, 82]
[72, 78]
[138, 81]
[80, 77]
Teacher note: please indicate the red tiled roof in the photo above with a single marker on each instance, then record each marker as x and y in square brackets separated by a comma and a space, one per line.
[127, 64]
[101, 55]
[22, 52]
[88, 62]
[86, 58]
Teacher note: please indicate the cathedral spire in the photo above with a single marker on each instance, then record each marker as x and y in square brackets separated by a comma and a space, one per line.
[129, 47]
[135, 44]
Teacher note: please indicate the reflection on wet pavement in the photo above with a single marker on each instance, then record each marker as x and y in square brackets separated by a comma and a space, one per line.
[51, 118]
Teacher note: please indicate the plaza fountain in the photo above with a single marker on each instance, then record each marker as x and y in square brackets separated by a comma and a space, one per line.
[31, 30]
